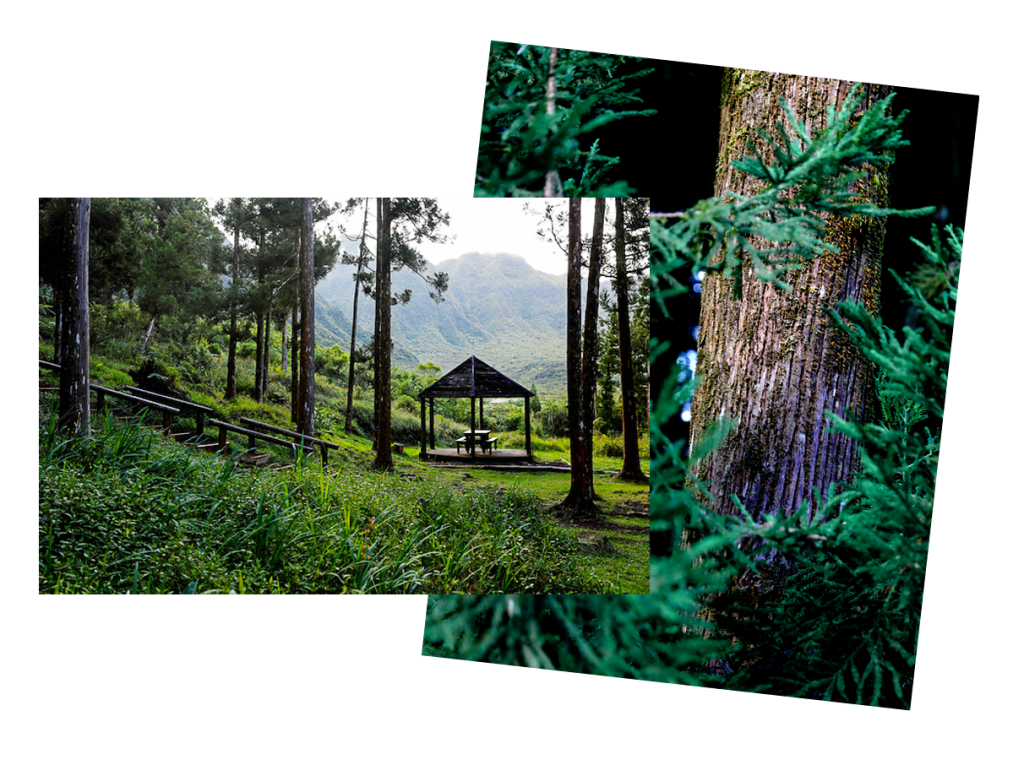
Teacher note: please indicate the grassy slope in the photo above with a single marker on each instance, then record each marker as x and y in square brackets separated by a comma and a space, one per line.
[111, 505]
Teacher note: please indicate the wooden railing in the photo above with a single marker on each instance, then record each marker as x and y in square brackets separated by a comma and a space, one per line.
[169, 407]
[299, 438]
[166, 410]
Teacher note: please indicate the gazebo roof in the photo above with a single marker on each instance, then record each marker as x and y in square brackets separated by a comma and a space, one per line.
[475, 379]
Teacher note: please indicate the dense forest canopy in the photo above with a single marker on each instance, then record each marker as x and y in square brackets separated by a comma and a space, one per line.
[195, 283]
[200, 361]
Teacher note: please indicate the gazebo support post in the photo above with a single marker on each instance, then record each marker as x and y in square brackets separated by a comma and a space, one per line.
[432, 446]
[529, 450]
[423, 428]
[472, 427]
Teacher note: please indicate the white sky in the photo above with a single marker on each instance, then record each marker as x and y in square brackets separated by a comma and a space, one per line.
[493, 226]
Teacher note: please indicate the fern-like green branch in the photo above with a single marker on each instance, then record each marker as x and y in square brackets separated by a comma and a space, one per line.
[521, 142]
[780, 228]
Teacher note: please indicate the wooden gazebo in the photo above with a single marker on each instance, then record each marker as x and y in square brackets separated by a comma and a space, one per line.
[475, 380]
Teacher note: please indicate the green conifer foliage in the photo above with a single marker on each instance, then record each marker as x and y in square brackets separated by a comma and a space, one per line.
[809, 175]
[844, 627]
[521, 140]
[625, 636]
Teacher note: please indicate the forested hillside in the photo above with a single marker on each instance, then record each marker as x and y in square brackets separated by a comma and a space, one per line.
[497, 308]
[191, 361]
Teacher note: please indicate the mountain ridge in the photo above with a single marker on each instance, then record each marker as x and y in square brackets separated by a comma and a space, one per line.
[497, 308]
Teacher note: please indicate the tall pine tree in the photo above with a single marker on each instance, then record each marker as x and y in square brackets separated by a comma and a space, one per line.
[74, 320]
[307, 354]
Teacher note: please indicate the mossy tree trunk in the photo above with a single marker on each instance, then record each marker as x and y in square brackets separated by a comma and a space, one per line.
[771, 361]
[74, 319]
[631, 467]
[307, 354]
[382, 378]
[580, 500]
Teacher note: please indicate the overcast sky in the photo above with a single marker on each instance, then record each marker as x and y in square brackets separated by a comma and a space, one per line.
[489, 225]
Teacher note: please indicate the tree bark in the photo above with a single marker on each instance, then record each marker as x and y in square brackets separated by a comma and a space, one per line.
[307, 355]
[771, 360]
[580, 499]
[552, 183]
[382, 380]
[355, 312]
[257, 385]
[295, 355]
[149, 331]
[231, 390]
[74, 322]
[631, 468]
[590, 350]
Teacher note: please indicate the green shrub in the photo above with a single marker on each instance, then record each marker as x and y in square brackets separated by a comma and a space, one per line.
[521, 140]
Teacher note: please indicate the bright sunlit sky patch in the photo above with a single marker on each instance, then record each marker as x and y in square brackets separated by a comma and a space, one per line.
[490, 226]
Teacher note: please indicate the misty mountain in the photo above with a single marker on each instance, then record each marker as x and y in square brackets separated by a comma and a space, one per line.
[497, 308]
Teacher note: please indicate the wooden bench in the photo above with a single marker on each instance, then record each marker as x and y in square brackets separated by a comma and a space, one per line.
[305, 441]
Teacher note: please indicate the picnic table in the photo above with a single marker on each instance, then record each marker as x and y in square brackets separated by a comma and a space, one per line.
[471, 438]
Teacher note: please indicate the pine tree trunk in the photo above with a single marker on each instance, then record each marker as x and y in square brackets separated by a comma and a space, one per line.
[284, 346]
[74, 322]
[589, 361]
[579, 500]
[232, 384]
[295, 356]
[257, 386]
[308, 349]
[771, 361]
[552, 183]
[149, 331]
[631, 468]
[355, 313]
[266, 355]
[382, 380]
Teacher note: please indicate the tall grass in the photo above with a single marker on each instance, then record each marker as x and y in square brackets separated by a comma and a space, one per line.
[127, 511]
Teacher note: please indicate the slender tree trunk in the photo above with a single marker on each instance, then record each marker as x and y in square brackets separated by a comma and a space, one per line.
[295, 355]
[266, 354]
[284, 346]
[580, 500]
[552, 183]
[590, 354]
[58, 319]
[74, 284]
[257, 392]
[382, 382]
[149, 331]
[232, 385]
[376, 332]
[257, 386]
[771, 361]
[631, 468]
[355, 312]
[308, 356]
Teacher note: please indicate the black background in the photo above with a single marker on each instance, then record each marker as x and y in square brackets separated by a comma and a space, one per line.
[671, 158]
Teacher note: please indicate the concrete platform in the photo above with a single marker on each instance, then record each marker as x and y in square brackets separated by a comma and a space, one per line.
[495, 456]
